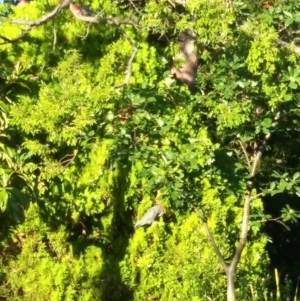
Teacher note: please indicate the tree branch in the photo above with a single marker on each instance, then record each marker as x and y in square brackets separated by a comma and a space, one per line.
[256, 196]
[244, 234]
[132, 57]
[211, 238]
[295, 48]
[245, 153]
[259, 154]
[246, 211]
[64, 4]
[54, 39]
[99, 20]
[32, 24]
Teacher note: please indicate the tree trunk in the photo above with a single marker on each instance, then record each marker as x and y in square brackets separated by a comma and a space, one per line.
[230, 286]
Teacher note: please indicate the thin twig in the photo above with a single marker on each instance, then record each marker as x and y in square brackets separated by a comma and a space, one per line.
[71, 157]
[246, 155]
[22, 35]
[135, 8]
[211, 238]
[256, 196]
[86, 33]
[98, 20]
[89, 25]
[54, 39]
[132, 57]
[207, 95]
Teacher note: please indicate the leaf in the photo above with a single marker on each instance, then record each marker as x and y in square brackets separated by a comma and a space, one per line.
[288, 21]
[289, 186]
[3, 199]
[288, 14]
[293, 85]
[282, 185]
[239, 166]
[267, 122]
[151, 99]
[174, 195]
[297, 17]
[296, 176]
[267, 216]
[91, 133]
[4, 107]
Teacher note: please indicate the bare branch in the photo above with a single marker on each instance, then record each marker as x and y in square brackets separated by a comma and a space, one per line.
[259, 154]
[88, 26]
[64, 4]
[253, 197]
[32, 24]
[211, 238]
[295, 48]
[132, 57]
[68, 159]
[22, 35]
[54, 39]
[244, 234]
[86, 33]
[246, 211]
[98, 20]
[45, 18]
[245, 153]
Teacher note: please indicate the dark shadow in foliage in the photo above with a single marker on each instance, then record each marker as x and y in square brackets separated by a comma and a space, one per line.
[10, 241]
[285, 244]
[111, 284]
[113, 243]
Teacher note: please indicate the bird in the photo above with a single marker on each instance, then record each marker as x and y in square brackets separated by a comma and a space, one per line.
[81, 11]
[150, 216]
[22, 3]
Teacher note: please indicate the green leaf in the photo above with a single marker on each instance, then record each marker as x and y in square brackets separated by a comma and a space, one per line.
[272, 185]
[288, 21]
[293, 85]
[296, 176]
[282, 185]
[288, 14]
[91, 133]
[267, 122]
[151, 99]
[3, 199]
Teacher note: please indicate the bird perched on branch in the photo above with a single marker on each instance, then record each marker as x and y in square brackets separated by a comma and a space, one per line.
[81, 10]
[150, 216]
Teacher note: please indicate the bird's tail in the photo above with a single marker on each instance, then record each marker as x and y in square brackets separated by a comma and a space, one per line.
[137, 225]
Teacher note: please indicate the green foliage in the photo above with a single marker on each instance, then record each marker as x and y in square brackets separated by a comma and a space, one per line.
[91, 156]
[46, 268]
